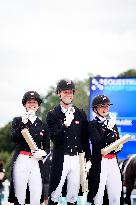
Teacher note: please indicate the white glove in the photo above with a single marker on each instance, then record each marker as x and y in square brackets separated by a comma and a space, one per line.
[111, 121]
[31, 113]
[111, 124]
[31, 116]
[119, 148]
[69, 116]
[38, 154]
[25, 118]
[88, 166]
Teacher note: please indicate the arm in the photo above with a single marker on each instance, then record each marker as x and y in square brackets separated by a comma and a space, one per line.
[100, 136]
[56, 131]
[17, 126]
[119, 149]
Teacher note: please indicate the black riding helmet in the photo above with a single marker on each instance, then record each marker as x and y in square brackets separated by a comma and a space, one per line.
[65, 85]
[100, 100]
[31, 95]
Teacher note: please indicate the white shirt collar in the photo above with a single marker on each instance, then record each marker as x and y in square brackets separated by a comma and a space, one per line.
[63, 109]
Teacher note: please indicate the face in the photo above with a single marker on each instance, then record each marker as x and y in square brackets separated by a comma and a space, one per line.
[66, 96]
[103, 110]
[31, 105]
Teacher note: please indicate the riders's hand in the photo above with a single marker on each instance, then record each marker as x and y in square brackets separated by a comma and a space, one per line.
[25, 118]
[32, 116]
[111, 124]
[38, 154]
[111, 121]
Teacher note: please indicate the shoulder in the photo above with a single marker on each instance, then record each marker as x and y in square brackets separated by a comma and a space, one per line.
[40, 122]
[81, 112]
[52, 114]
[16, 120]
[92, 123]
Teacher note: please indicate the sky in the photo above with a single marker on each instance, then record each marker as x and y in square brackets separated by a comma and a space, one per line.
[42, 41]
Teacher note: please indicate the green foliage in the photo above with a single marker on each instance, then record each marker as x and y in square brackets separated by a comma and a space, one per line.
[49, 102]
[6, 147]
[81, 98]
[6, 157]
[128, 73]
[5, 138]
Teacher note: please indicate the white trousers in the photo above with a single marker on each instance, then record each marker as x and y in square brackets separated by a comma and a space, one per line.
[111, 178]
[26, 171]
[71, 171]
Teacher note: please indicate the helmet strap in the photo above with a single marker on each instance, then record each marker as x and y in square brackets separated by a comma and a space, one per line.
[98, 113]
[65, 103]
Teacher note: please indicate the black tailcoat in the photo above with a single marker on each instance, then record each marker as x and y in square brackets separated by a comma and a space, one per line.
[74, 138]
[38, 131]
[100, 136]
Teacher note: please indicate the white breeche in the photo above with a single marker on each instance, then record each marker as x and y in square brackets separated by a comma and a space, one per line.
[111, 178]
[26, 171]
[71, 170]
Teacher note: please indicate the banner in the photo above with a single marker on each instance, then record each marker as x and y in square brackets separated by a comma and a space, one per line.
[122, 93]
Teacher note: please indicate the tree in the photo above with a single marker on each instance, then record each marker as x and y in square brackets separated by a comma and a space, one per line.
[49, 102]
[6, 147]
[81, 99]
[128, 73]
[5, 138]
[6, 157]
